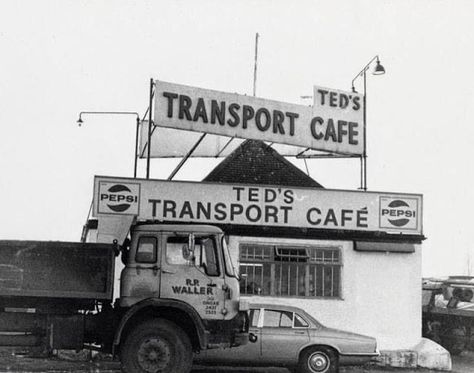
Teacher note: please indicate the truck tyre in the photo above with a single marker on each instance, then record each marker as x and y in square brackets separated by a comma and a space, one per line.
[318, 360]
[157, 346]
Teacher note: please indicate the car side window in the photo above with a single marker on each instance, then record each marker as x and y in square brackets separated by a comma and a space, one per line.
[278, 319]
[299, 322]
[254, 315]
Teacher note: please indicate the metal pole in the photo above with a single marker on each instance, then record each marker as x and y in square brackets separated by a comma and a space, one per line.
[136, 148]
[363, 158]
[185, 158]
[365, 131]
[149, 131]
[255, 66]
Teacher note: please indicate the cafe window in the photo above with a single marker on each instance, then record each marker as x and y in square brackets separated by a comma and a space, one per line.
[290, 271]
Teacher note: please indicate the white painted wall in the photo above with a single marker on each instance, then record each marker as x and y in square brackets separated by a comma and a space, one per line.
[381, 293]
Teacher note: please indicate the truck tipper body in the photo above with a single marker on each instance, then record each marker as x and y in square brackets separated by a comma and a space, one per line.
[179, 293]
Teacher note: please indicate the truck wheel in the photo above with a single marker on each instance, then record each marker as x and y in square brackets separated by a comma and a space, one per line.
[318, 360]
[157, 346]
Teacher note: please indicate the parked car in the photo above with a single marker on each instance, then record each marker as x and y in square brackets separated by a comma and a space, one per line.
[289, 337]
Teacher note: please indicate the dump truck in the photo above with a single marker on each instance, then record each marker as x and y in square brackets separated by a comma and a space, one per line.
[448, 312]
[179, 291]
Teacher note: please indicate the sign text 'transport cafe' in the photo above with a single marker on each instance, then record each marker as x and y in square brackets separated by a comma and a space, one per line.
[334, 123]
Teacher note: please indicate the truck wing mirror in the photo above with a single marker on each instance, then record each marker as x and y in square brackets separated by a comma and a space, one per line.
[187, 253]
[188, 249]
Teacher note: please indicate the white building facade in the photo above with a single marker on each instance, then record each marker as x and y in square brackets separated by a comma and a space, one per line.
[376, 293]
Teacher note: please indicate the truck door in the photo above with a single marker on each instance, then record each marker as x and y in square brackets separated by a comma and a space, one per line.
[140, 278]
[191, 272]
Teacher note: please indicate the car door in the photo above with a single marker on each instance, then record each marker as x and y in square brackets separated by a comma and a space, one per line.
[281, 340]
[248, 354]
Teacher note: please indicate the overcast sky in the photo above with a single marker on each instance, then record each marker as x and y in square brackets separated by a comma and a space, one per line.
[61, 57]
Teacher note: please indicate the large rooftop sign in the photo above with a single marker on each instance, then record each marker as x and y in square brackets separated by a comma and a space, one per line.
[334, 123]
[177, 201]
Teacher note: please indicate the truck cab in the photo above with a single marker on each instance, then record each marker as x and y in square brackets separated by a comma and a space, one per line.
[189, 263]
[178, 281]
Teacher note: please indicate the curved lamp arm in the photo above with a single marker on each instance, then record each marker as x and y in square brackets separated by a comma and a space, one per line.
[80, 121]
[366, 67]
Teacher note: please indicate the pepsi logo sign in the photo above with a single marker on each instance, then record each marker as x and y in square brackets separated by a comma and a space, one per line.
[398, 213]
[118, 198]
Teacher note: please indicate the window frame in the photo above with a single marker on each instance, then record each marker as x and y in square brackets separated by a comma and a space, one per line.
[155, 249]
[302, 318]
[315, 258]
[252, 312]
[165, 251]
[194, 237]
[217, 255]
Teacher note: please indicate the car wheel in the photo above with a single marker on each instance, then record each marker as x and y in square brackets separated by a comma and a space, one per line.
[157, 346]
[318, 360]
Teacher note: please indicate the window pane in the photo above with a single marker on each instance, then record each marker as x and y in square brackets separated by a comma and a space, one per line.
[336, 281]
[176, 249]
[286, 254]
[318, 280]
[256, 252]
[206, 246]
[328, 274]
[286, 320]
[229, 266]
[271, 319]
[300, 280]
[287, 271]
[146, 251]
[300, 322]
[255, 279]
[254, 315]
[290, 279]
[274, 319]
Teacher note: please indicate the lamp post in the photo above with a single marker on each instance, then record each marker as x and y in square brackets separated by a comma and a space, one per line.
[80, 121]
[378, 70]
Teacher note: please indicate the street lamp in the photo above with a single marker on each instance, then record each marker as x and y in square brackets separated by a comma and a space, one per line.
[378, 70]
[80, 122]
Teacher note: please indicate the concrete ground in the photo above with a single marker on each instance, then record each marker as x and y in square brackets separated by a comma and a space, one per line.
[10, 362]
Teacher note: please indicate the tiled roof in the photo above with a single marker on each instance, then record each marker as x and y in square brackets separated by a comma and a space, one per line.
[254, 162]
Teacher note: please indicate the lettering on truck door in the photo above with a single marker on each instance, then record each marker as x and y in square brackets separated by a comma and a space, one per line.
[192, 272]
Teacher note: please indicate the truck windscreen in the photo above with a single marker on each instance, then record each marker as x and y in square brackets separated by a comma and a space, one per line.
[229, 266]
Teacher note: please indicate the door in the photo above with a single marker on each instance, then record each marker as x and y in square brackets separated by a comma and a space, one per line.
[191, 271]
[281, 340]
[140, 279]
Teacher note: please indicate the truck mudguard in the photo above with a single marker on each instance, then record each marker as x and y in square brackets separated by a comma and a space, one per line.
[169, 304]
